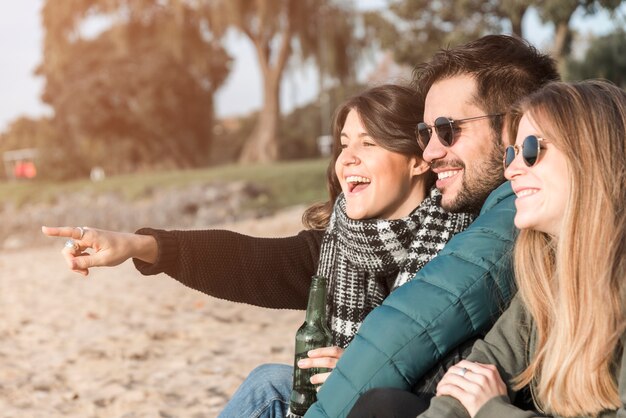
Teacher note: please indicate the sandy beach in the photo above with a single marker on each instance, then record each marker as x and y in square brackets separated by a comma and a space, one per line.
[118, 344]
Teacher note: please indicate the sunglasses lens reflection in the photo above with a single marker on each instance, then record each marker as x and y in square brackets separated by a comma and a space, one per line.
[509, 156]
[530, 150]
[445, 130]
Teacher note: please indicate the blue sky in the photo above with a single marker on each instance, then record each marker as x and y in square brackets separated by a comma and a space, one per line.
[20, 52]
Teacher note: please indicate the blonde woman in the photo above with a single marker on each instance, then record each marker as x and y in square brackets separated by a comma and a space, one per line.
[563, 333]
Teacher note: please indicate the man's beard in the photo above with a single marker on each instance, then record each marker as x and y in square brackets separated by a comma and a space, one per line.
[478, 184]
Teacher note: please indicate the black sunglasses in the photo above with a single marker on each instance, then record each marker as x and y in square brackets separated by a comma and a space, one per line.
[531, 146]
[446, 129]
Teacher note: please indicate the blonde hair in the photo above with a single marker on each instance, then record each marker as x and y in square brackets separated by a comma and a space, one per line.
[573, 284]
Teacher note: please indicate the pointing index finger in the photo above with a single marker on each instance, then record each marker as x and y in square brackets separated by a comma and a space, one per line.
[63, 231]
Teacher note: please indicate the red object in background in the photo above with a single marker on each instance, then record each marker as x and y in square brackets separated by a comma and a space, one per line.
[25, 170]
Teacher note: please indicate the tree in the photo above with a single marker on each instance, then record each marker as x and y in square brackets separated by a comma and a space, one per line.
[321, 30]
[414, 29]
[560, 12]
[138, 93]
[605, 58]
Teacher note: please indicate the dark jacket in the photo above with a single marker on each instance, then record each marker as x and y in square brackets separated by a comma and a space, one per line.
[455, 297]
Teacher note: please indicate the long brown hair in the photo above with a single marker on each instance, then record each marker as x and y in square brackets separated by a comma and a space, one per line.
[573, 284]
[389, 114]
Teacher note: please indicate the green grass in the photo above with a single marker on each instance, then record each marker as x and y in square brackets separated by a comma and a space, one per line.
[288, 183]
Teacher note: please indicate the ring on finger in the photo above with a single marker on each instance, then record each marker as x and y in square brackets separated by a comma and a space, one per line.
[462, 371]
[82, 231]
[70, 243]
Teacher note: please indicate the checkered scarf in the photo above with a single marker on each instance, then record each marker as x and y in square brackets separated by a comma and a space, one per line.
[364, 260]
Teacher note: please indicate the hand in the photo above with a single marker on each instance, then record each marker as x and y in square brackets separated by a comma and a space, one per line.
[472, 384]
[321, 357]
[109, 248]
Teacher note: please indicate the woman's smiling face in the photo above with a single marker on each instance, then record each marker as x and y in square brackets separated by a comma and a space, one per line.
[542, 190]
[377, 183]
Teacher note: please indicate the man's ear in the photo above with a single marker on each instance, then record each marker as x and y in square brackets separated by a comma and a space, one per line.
[420, 167]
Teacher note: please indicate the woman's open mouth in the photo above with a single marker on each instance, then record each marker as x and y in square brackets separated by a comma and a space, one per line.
[357, 183]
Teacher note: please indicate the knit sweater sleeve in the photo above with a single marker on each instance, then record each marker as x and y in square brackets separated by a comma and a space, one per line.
[267, 272]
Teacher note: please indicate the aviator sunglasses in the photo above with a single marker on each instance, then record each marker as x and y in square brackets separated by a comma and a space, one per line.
[530, 148]
[446, 129]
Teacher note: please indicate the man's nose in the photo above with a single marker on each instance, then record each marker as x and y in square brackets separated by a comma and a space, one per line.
[434, 150]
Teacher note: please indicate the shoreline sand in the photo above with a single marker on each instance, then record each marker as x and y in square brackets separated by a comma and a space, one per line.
[118, 344]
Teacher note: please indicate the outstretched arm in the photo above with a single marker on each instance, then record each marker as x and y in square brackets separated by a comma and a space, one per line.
[267, 272]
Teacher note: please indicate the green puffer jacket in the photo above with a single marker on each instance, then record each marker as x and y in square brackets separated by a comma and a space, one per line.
[456, 296]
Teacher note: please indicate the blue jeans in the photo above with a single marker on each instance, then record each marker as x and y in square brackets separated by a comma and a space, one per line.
[265, 393]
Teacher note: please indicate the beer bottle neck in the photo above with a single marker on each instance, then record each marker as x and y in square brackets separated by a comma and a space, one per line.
[316, 307]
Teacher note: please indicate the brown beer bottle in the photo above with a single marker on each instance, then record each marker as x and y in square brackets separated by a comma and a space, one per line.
[314, 333]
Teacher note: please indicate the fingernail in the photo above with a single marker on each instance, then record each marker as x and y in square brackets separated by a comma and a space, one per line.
[301, 363]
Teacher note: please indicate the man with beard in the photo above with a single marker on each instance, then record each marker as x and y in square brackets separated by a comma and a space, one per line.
[429, 323]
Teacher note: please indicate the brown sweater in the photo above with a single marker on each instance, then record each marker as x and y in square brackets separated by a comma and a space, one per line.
[267, 272]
